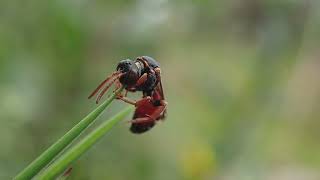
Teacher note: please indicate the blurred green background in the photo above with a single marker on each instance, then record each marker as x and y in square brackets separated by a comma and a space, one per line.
[241, 78]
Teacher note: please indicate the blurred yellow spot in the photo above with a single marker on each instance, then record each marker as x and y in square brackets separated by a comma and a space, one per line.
[197, 161]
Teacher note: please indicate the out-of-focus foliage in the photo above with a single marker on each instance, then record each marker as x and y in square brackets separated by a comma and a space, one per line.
[241, 78]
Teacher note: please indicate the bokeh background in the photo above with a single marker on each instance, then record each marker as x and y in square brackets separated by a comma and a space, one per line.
[241, 78]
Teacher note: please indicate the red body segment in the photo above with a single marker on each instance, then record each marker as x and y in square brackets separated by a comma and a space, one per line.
[147, 113]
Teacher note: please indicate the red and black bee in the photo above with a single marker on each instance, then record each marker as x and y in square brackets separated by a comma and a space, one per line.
[142, 74]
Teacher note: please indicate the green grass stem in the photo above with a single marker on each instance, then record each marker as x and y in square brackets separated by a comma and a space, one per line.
[72, 154]
[47, 156]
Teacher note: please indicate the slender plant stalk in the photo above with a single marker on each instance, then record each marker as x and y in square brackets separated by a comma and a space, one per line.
[47, 156]
[72, 154]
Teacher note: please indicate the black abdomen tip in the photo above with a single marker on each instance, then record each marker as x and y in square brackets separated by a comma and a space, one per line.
[141, 128]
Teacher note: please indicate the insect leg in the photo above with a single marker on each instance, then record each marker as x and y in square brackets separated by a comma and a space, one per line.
[142, 79]
[142, 120]
[157, 114]
[118, 86]
[125, 99]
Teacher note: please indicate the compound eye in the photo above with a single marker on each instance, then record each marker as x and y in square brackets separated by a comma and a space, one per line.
[128, 63]
[124, 65]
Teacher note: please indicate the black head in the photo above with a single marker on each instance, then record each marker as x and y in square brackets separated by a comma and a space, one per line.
[125, 65]
[129, 71]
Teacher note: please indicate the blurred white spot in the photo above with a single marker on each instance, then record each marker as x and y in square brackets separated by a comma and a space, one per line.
[294, 173]
[149, 14]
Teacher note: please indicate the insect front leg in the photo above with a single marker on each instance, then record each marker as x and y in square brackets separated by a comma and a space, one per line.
[133, 102]
[118, 86]
[142, 79]
[126, 100]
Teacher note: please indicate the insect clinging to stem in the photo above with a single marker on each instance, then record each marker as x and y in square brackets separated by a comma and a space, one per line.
[142, 74]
